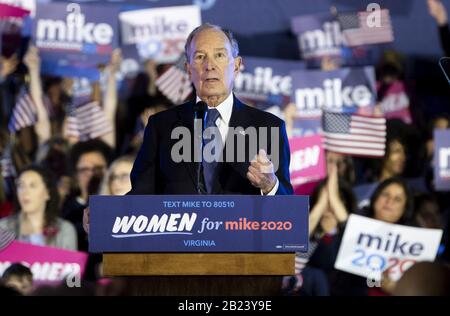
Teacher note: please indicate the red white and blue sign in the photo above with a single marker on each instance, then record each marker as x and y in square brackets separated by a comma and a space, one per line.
[73, 39]
[213, 223]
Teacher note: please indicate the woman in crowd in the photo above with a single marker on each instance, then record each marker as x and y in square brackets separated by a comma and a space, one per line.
[89, 162]
[394, 160]
[392, 202]
[331, 202]
[392, 165]
[117, 179]
[37, 220]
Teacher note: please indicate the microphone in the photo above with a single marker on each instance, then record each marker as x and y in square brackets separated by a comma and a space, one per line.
[200, 109]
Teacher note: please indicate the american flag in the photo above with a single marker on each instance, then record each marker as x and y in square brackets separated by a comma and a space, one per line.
[24, 113]
[354, 134]
[174, 83]
[357, 29]
[6, 237]
[87, 121]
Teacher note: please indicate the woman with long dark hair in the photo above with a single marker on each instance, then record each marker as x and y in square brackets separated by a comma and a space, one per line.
[37, 220]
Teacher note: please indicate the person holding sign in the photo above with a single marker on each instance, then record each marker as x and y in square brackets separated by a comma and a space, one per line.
[392, 202]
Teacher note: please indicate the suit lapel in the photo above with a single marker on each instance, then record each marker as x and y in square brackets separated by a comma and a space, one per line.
[186, 119]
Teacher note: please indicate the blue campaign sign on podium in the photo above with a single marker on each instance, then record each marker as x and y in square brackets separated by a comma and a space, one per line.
[208, 223]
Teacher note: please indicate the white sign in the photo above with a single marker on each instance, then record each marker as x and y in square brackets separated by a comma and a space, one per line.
[159, 33]
[370, 247]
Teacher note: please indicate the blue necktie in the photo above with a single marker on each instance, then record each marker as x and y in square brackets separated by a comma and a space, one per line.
[209, 167]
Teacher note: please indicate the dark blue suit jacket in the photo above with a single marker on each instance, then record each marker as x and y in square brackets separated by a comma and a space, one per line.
[154, 171]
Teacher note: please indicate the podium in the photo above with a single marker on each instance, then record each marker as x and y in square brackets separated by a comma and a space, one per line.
[250, 264]
[201, 274]
[243, 260]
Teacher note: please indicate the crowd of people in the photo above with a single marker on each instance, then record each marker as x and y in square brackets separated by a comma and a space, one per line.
[48, 173]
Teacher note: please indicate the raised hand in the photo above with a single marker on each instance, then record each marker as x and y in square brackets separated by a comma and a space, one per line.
[261, 172]
[333, 194]
[116, 60]
[32, 59]
[437, 11]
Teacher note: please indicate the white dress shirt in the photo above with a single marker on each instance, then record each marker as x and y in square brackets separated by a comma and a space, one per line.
[223, 122]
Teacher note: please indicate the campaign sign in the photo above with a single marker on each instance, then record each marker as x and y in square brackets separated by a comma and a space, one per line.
[9, 11]
[395, 103]
[345, 90]
[307, 159]
[318, 35]
[442, 159]
[370, 247]
[76, 37]
[28, 5]
[159, 33]
[203, 223]
[306, 126]
[49, 265]
[265, 82]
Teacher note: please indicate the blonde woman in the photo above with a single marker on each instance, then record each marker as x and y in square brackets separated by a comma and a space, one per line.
[117, 179]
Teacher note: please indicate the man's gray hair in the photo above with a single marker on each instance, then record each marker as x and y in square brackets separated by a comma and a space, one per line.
[207, 26]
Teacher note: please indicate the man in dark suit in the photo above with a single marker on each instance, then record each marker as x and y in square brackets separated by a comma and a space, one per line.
[212, 64]
[166, 161]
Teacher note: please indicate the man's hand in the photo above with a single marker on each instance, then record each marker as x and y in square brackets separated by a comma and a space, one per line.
[438, 12]
[261, 174]
[86, 220]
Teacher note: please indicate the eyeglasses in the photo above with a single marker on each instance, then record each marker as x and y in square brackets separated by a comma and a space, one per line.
[122, 177]
[94, 170]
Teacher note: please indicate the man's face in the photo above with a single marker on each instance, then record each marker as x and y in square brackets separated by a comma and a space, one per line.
[211, 66]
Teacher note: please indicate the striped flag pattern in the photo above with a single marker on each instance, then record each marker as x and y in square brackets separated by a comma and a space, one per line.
[174, 83]
[6, 237]
[357, 31]
[87, 121]
[354, 134]
[24, 113]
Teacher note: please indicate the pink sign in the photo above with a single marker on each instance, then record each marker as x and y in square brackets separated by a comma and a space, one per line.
[7, 11]
[48, 264]
[307, 160]
[395, 103]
